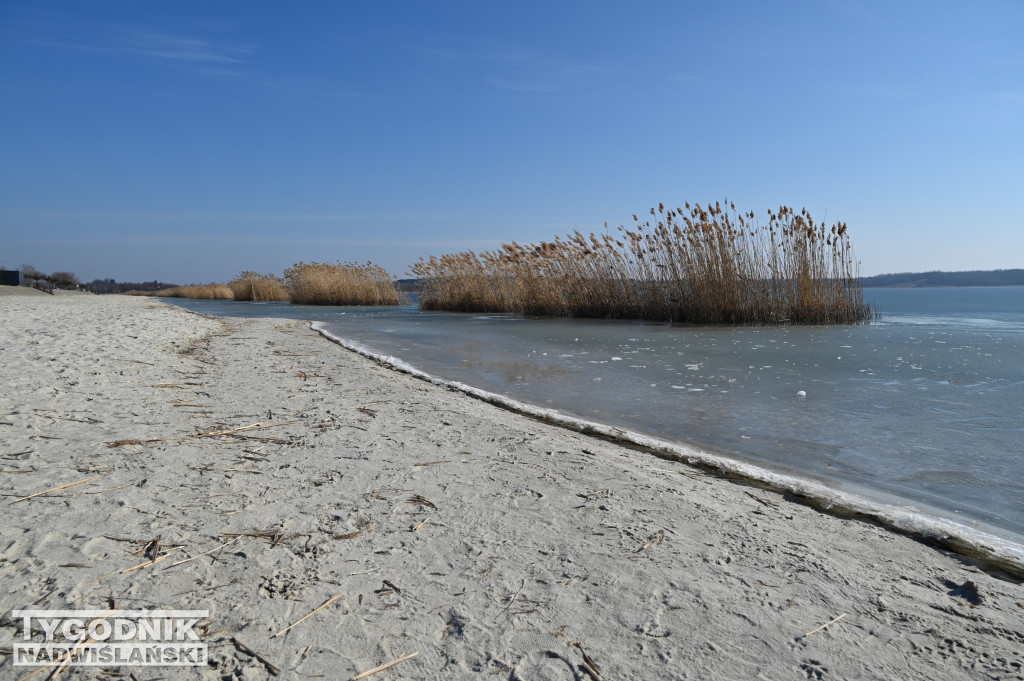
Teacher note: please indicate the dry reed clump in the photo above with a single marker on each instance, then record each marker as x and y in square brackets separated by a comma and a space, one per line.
[208, 292]
[341, 284]
[704, 265]
[257, 287]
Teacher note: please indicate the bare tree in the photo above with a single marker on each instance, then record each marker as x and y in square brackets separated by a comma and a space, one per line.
[30, 275]
[64, 280]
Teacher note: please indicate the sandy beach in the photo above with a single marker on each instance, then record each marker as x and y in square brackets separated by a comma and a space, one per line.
[293, 471]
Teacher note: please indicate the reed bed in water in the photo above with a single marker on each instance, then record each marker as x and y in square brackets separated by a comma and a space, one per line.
[208, 292]
[257, 287]
[341, 284]
[702, 264]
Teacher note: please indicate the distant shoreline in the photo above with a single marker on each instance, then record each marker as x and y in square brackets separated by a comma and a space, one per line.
[937, 279]
[941, 285]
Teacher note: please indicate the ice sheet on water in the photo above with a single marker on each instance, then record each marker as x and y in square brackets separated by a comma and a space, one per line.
[889, 510]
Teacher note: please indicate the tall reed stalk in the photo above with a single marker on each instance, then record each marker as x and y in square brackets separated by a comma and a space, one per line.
[341, 284]
[207, 292]
[702, 264]
[258, 287]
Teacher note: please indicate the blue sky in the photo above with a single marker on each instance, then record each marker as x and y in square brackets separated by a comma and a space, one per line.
[188, 141]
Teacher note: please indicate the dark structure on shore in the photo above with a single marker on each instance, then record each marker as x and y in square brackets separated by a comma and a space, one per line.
[10, 278]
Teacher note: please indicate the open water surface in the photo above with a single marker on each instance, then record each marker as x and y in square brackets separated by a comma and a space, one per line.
[926, 403]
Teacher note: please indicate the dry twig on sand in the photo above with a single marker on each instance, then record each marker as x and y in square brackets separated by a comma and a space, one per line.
[827, 624]
[653, 541]
[298, 622]
[763, 500]
[275, 536]
[158, 559]
[420, 500]
[57, 489]
[212, 433]
[349, 535]
[511, 599]
[273, 669]
[205, 553]
[589, 666]
[371, 672]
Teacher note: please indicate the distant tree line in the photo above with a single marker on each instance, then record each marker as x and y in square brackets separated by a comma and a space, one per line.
[30, 276]
[111, 286]
[926, 279]
[409, 285]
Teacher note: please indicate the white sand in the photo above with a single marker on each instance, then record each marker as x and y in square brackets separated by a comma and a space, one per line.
[656, 569]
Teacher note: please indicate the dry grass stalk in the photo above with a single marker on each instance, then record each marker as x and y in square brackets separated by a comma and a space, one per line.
[420, 500]
[763, 500]
[273, 669]
[419, 526]
[298, 622]
[432, 463]
[208, 292]
[827, 624]
[111, 489]
[371, 672]
[349, 535]
[205, 553]
[123, 443]
[212, 433]
[275, 536]
[256, 287]
[58, 488]
[341, 284]
[589, 666]
[702, 264]
[512, 599]
[148, 547]
[653, 541]
[154, 561]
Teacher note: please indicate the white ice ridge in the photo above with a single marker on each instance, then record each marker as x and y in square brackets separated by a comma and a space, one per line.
[957, 536]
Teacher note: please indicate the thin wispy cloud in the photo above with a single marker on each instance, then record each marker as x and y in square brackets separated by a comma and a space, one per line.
[524, 70]
[311, 89]
[176, 44]
[518, 68]
[160, 45]
[524, 84]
